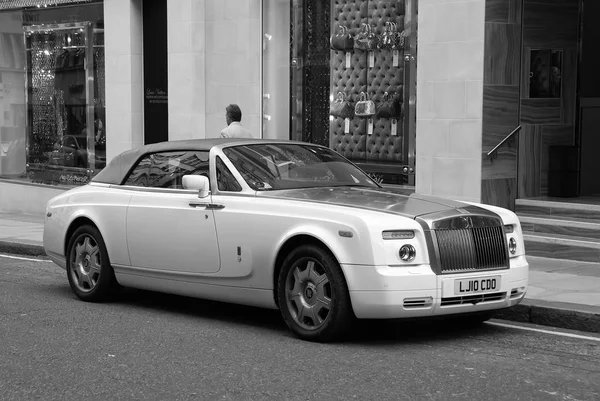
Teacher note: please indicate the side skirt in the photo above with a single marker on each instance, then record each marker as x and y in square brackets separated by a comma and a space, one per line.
[190, 286]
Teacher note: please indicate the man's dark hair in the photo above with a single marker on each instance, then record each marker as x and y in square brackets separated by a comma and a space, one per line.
[234, 112]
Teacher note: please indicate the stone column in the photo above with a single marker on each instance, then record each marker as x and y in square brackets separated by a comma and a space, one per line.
[450, 98]
[214, 60]
[124, 73]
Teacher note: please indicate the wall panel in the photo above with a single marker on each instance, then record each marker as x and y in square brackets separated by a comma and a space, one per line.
[500, 105]
[502, 163]
[501, 94]
[541, 111]
[501, 65]
[530, 150]
[500, 192]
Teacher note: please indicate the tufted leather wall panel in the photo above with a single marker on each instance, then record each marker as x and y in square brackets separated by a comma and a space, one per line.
[380, 78]
[351, 81]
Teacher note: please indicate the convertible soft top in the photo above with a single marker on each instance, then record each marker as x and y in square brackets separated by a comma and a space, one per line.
[116, 170]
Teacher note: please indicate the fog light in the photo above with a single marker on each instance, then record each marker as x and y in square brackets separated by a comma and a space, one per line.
[512, 246]
[407, 253]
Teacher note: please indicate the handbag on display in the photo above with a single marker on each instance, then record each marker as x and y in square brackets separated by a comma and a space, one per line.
[390, 107]
[388, 37]
[342, 41]
[341, 107]
[366, 38]
[398, 38]
[365, 107]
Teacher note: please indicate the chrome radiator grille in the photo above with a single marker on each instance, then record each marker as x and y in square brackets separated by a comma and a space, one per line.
[471, 248]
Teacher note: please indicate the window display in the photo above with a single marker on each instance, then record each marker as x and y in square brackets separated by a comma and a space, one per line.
[352, 80]
[61, 80]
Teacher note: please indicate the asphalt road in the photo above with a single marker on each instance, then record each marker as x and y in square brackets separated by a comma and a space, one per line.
[151, 346]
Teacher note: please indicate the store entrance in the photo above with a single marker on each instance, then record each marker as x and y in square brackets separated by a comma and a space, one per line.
[559, 108]
[589, 101]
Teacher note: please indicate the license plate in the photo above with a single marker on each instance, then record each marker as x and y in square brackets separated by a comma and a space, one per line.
[468, 286]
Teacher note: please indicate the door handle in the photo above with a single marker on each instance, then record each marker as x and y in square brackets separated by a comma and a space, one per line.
[212, 206]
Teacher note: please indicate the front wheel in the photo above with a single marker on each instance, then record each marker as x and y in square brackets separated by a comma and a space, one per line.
[90, 274]
[313, 295]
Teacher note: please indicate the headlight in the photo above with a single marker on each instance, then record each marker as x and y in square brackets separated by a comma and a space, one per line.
[512, 245]
[407, 253]
[398, 234]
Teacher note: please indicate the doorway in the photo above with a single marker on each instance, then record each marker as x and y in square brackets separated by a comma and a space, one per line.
[588, 138]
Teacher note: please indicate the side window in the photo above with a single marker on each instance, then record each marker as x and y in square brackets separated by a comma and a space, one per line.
[140, 176]
[225, 179]
[166, 169]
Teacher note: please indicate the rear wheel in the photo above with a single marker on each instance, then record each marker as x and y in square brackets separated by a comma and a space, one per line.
[88, 268]
[313, 295]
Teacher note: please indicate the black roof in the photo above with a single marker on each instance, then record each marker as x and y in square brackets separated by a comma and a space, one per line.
[117, 169]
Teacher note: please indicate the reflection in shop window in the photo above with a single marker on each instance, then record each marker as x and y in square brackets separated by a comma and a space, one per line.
[52, 127]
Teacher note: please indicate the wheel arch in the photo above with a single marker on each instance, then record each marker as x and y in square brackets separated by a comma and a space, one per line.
[75, 224]
[287, 246]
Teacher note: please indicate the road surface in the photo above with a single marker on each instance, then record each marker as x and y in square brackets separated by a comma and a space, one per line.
[149, 346]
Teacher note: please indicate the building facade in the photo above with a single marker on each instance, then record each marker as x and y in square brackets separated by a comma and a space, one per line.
[85, 80]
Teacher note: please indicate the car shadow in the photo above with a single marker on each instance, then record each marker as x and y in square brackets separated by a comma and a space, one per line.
[372, 332]
[202, 308]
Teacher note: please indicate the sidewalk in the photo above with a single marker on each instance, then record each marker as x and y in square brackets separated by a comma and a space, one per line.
[561, 293]
[22, 234]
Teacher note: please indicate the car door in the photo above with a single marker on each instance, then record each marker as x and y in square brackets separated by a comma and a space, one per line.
[170, 228]
[237, 224]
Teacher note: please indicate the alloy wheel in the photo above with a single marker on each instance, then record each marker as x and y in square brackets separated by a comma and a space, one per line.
[308, 294]
[85, 263]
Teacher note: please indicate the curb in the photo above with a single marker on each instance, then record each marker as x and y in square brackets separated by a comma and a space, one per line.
[554, 314]
[22, 249]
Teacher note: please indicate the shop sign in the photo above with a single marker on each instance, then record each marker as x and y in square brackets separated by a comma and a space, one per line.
[157, 96]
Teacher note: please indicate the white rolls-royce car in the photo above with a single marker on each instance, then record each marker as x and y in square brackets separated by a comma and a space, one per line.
[287, 225]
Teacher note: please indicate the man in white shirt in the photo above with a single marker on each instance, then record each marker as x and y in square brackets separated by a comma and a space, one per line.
[233, 116]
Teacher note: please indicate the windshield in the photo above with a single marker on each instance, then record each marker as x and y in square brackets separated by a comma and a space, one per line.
[282, 166]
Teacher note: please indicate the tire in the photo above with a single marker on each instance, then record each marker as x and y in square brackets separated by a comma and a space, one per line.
[313, 295]
[90, 274]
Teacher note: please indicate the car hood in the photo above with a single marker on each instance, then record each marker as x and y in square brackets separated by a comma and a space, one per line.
[378, 199]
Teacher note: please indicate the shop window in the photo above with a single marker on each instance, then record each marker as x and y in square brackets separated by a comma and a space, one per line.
[52, 126]
[545, 73]
[342, 74]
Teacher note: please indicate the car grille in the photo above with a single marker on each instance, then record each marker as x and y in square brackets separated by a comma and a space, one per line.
[472, 248]
[474, 299]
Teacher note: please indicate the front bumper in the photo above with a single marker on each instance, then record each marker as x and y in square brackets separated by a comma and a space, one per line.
[384, 292]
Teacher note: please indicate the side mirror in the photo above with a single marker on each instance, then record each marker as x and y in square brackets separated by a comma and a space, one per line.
[197, 182]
